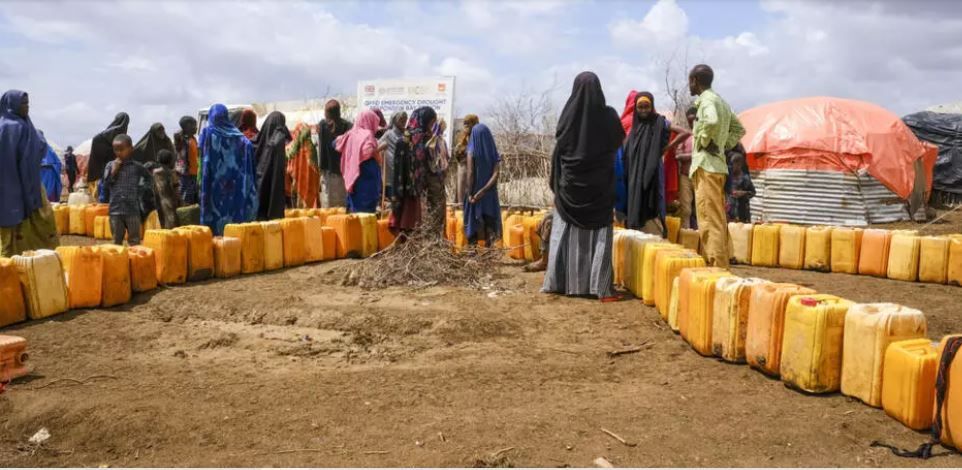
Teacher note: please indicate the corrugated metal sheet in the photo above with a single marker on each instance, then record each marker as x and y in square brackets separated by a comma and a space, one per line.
[824, 198]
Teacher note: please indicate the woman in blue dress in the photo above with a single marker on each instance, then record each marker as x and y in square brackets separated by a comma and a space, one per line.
[227, 187]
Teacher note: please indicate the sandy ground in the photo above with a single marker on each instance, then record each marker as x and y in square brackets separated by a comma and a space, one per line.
[291, 369]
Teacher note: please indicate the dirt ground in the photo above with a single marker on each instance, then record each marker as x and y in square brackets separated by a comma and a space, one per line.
[291, 369]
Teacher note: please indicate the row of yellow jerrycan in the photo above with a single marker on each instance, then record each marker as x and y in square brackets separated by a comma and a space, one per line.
[106, 275]
[814, 342]
[896, 254]
[92, 220]
[519, 232]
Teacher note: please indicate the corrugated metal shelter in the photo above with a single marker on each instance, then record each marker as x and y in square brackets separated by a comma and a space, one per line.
[834, 161]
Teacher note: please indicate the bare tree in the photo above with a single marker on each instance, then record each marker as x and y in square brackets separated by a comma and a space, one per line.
[676, 67]
[524, 126]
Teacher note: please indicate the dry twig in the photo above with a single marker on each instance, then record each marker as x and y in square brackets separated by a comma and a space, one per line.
[622, 352]
[618, 438]
[424, 260]
[75, 381]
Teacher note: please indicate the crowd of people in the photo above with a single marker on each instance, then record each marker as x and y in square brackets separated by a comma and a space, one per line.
[633, 169]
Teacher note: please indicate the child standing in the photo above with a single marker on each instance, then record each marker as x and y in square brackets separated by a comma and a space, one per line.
[125, 184]
[740, 190]
[166, 189]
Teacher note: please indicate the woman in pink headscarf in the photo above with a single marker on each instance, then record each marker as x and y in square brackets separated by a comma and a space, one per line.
[360, 163]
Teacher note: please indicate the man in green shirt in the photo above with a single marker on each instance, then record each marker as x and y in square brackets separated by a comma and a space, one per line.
[717, 129]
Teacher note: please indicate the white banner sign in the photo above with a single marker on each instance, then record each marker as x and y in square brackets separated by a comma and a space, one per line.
[391, 96]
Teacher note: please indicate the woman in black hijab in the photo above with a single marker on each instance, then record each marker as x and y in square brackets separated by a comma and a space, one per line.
[270, 159]
[151, 144]
[102, 150]
[643, 150]
[582, 178]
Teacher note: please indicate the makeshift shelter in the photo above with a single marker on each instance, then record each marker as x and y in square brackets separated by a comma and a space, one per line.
[834, 161]
[945, 131]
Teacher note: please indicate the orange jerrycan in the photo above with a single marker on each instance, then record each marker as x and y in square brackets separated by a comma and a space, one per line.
[116, 281]
[948, 400]
[143, 269]
[227, 257]
[83, 269]
[765, 326]
[251, 236]
[13, 358]
[873, 258]
[668, 265]
[273, 245]
[170, 254]
[294, 239]
[908, 382]
[313, 240]
[733, 297]
[200, 251]
[12, 307]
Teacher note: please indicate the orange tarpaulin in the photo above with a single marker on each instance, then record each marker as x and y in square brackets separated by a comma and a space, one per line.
[835, 134]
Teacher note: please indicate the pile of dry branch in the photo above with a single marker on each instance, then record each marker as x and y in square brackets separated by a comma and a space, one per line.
[423, 260]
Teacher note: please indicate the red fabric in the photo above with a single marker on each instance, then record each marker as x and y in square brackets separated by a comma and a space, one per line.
[671, 172]
[834, 134]
[629, 112]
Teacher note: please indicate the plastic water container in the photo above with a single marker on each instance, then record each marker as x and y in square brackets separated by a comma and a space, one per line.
[873, 258]
[701, 292]
[690, 239]
[733, 297]
[818, 249]
[741, 235]
[869, 329]
[766, 325]
[846, 247]
[170, 255]
[251, 236]
[668, 265]
[791, 247]
[908, 382]
[295, 238]
[904, 256]
[116, 279]
[934, 259]
[274, 243]
[42, 279]
[812, 344]
[83, 270]
[227, 256]
[642, 267]
[350, 235]
[200, 251]
[313, 240]
[765, 239]
[12, 308]
[368, 234]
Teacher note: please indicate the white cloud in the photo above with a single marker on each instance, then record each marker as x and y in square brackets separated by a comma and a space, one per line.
[665, 22]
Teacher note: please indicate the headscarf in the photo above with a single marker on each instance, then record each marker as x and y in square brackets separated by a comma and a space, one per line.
[356, 146]
[484, 156]
[22, 148]
[151, 143]
[461, 149]
[248, 123]
[101, 147]
[628, 114]
[50, 169]
[411, 155]
[328, 159]
[642, 157]
[271, 161]
[391, 137]
[302, 166]
[382, 124]
[227, 189]
[438, 148]
[582, 166]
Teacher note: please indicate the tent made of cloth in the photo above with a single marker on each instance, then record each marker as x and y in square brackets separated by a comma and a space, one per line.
[945, 131]
[837, 135]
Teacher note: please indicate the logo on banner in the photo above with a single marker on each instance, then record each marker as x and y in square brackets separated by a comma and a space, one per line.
[369, 89]
[442, 87]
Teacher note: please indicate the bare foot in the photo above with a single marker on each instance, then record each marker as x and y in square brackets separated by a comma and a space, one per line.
[536, 266]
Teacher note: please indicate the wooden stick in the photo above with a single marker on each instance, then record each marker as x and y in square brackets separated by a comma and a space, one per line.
[622, 352]
[375, 452]
[618, 438]
[506, 449]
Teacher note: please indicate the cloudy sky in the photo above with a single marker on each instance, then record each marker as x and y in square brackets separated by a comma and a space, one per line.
[82, 61]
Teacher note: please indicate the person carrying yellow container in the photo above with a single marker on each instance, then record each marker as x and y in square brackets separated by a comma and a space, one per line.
[717, 129]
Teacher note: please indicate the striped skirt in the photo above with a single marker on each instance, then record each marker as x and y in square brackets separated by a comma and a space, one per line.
[579, 261]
